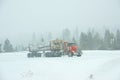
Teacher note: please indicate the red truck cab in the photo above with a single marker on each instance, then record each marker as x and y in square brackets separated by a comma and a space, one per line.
[73, 48]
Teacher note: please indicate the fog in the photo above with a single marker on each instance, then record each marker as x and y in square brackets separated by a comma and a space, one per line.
[20, 18]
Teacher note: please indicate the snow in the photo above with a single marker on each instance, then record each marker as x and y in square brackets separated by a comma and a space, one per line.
[93, 65]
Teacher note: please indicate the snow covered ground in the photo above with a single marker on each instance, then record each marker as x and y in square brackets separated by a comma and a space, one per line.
[93, 65]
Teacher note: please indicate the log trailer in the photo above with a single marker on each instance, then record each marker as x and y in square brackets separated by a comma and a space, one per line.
[56, 48]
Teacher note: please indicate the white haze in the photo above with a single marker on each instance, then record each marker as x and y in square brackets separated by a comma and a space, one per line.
[20, 18]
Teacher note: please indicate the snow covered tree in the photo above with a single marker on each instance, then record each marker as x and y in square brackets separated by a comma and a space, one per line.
[49, 36]
[74, 40]
[42, 40]
[90, 40]
[108, 39]
[97, 41]
[34, 40]
[117, 40]
[0, 48]
[66, 35]
[7, 46]
[76, 35]
[83, 41]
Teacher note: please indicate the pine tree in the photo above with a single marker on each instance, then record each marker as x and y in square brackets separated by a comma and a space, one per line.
[117, 40]
[83, 41]
[0, 48]
[34, 40]
[97, 41]
[107, 39]
[49, 36]
[8, 46]
[90, 40]
[66, 35]
[74, 40]
[76, 35]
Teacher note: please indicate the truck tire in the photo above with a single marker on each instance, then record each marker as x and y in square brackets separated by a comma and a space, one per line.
[70, 54]
[79, 54]
[48, 54]
[57, 54]
[29, 55]
[53, 54]
[38, 55]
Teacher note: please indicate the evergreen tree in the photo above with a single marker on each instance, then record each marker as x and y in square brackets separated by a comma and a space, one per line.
[83, 41]
[74, 40]
[117, 40]
[76, 35]
[107, 39]
[16, 49]
[0, 48]
[97, 42]
[112, 41]
[49, 36]
[66, 35]
[8, 46]
[34, 40]
[42, 40]
[90, 40]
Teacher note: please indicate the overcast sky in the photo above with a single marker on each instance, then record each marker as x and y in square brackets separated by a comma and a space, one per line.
[20, 18]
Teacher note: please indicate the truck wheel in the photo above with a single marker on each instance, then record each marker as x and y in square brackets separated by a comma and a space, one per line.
[78, 55]
[70, 54]
[60, 54]
[28, 55]
[32, 55]
[57, 54]
[48, 54]
[38, 54]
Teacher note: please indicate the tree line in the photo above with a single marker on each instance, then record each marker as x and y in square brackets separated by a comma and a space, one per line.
[89, 40]
[92, 40]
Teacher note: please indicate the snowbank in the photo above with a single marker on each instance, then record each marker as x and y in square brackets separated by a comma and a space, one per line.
[93, 65]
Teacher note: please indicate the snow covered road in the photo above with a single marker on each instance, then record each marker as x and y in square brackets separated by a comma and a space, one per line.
[93, 65]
